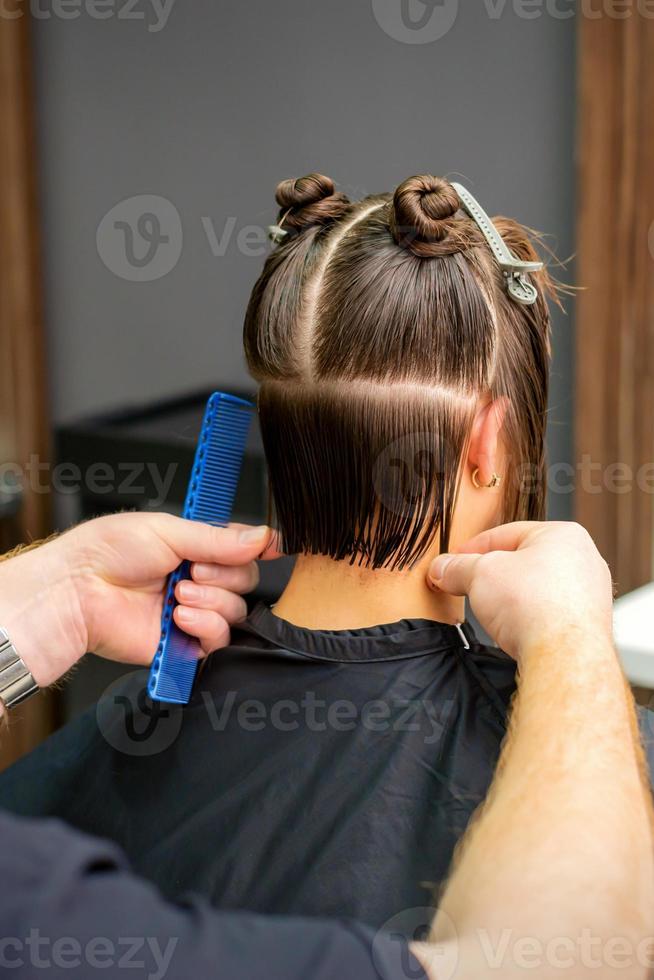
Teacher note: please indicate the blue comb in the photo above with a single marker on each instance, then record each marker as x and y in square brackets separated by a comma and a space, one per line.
[210, 499]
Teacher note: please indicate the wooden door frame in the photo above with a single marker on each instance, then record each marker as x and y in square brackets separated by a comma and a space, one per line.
[615, 309]
[23, 395]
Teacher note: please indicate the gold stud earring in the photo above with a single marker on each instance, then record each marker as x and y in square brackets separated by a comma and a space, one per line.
[495, 480]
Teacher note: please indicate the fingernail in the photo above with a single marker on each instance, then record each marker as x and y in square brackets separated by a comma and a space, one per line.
[186, 615]
[438, 566]
[254, 535]
[187, 590]
[201, 571]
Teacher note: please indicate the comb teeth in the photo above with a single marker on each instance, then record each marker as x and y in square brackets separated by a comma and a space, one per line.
[209, 499]
[218, 460]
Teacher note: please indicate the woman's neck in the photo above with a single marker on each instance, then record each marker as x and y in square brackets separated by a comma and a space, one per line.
[323, 594]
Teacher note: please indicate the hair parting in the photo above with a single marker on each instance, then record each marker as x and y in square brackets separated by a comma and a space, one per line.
[373, 331]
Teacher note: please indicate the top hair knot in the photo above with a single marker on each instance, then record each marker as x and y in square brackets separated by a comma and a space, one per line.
[310, 200]
[423, 218]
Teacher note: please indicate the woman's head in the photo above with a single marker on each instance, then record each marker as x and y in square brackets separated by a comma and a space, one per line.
[389, 356]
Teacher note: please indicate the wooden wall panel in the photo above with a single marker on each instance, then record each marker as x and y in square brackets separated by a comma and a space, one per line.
[23, 390]
[615, 310]
[23, 424]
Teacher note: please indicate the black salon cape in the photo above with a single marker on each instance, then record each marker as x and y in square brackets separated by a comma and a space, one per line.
[68, 906]
[313, 773]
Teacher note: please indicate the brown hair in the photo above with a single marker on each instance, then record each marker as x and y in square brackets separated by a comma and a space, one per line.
[373, 330]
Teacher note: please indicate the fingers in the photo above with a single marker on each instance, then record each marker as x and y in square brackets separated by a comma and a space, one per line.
[273, 548]
[223, 568]
[235, 578]
[207, 611]
[208, 626]
[453, 573]
[230, 606]
[234, 545]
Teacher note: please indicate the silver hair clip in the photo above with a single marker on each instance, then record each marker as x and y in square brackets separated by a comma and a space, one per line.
[276, 233]
[515, 271]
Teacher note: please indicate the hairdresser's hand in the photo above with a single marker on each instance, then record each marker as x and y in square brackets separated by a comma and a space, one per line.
[100, 587]
[531, 581]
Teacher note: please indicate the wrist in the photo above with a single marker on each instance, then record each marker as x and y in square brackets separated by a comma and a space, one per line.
[577, 643]
[41, 610]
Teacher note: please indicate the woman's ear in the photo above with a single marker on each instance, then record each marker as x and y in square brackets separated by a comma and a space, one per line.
[484, 440]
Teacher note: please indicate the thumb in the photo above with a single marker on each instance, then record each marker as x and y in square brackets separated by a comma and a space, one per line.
[453, 573]
[194, 541]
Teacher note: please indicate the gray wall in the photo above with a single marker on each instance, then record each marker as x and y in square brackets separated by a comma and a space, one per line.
[211, 110]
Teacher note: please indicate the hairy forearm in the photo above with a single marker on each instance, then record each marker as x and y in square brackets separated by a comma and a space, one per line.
[563, 843]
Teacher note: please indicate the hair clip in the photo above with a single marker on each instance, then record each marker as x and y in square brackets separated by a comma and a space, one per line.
[514, 270]
[276, 233]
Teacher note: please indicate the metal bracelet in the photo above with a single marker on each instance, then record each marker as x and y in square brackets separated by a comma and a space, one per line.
[16, 681]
